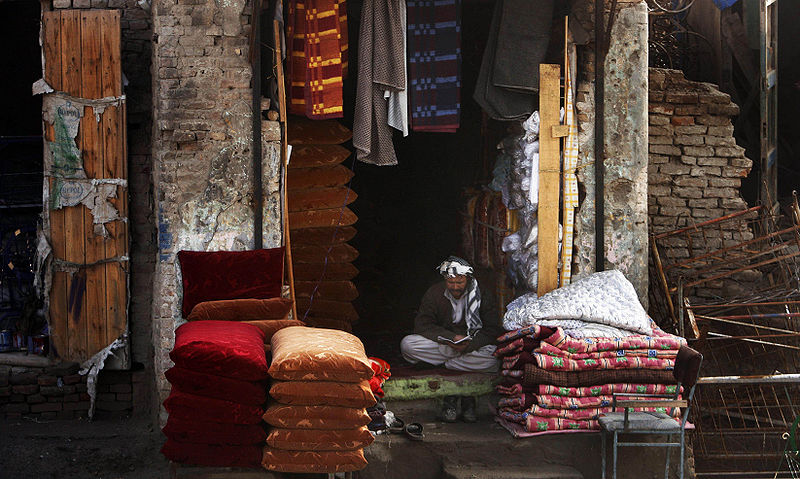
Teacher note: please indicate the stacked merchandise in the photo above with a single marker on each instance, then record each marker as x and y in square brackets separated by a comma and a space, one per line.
[218, 390]
[558, 378]
[319, 394]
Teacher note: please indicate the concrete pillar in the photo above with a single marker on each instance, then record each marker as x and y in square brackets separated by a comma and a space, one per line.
[626, 153]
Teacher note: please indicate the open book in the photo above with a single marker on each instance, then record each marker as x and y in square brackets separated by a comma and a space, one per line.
[465, 339]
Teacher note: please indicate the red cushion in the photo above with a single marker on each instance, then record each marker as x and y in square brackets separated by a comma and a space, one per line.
[218, 387]
[215, 410]
[241, 309]
[202, 432]
[212, 455]
[225, 348]
[209, 276]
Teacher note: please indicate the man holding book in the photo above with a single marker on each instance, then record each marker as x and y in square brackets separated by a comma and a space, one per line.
[456, 327]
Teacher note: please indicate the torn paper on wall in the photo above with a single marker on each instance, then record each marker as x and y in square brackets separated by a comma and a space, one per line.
[92, 367]
[64, 164]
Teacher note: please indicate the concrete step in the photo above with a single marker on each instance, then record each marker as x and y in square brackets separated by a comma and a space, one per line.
[539, 471]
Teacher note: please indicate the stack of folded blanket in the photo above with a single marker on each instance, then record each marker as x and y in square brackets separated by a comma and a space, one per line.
[554, 382]
[319, 393]
[218, 391]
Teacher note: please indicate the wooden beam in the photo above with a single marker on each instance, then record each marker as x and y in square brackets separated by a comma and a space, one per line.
[549, 177]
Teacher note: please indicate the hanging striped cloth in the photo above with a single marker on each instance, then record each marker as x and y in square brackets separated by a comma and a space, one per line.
[318, 43]
[570, 187]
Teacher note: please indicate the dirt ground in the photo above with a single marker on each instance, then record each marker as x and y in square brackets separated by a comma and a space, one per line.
[105, 448]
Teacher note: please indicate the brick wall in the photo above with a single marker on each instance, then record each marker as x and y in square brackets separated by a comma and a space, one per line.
[695, 168]
[137, 36]
[202, 148]
[59, 392]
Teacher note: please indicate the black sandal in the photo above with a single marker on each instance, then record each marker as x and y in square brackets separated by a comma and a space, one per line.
[398, 426]
[414, 431]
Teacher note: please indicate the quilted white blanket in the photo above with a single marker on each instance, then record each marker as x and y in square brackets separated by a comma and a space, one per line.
[603, 304]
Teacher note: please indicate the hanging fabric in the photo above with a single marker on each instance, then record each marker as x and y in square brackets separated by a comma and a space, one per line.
[434, 57]
[570, 186]
[381, 70]
[318, 47]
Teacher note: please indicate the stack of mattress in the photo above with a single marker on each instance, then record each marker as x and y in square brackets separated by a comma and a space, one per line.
[554, 382]
[319, 395]
[218, 391]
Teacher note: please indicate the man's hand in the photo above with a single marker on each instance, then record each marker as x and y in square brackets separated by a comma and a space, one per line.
[461, 347]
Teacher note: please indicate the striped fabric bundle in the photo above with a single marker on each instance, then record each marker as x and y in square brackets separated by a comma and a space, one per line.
[434, 56]
[318, 57]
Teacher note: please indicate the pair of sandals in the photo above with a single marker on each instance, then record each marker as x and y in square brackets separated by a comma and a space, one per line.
[412, 430]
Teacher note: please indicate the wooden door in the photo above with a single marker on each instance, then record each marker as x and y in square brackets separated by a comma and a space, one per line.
[86, 187]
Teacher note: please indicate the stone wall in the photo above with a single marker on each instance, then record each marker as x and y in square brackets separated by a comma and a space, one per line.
[202, 147]
[59, 392]
[695, 168]
[625, 166]
[137, 36]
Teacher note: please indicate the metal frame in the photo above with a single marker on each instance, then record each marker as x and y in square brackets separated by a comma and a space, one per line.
[681, 432]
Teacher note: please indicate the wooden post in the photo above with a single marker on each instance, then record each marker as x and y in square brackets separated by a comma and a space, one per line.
[287, 243]
[549, 176]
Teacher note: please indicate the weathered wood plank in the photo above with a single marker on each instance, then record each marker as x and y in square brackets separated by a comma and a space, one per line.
[115, 166]
[340, 253]
[304, 178]
[332, 272]
[303, 131]
[58, 292]
[322, 218]
[341, 290]
[320, 198]
[94, 316]
[310, 156]
[324, 308]
[73, 216]
[549, 177]
[323, 236]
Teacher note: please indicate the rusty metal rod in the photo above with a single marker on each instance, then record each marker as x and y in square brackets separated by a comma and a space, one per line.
[709, 222]
[760, 316]
[737, 305]
[742, 338]
[757, 379]
[730, 248]
[724, 319]
[739, 270]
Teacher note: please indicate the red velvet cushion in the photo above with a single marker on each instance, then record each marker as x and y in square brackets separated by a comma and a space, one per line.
[218, 387]
[215, 410]
[212, 455]
[241, 309]
[209, 276]
[202, 432]
[225, 348]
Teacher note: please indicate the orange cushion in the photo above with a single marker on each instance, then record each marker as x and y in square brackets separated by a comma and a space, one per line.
[315, 417]
[312, 461]
[271, 326]
[241, 309]
[319, 439]
[322, 393]
[314, 354]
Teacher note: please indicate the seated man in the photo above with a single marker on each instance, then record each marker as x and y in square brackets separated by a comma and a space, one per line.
[456, 327]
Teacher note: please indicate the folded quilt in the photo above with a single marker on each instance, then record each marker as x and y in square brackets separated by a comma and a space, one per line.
[546, 423]
[513, 389]
[518, 361]
[604, 298]
[658, 340]
[534, 332]
[521, 402]
[533, 375]
[566, 402]
[550, 350]
[606, 389]
[516, 345]
[558, 363]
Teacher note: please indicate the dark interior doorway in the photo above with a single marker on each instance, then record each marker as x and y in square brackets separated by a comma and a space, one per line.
[410, 215]
[20, 156]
